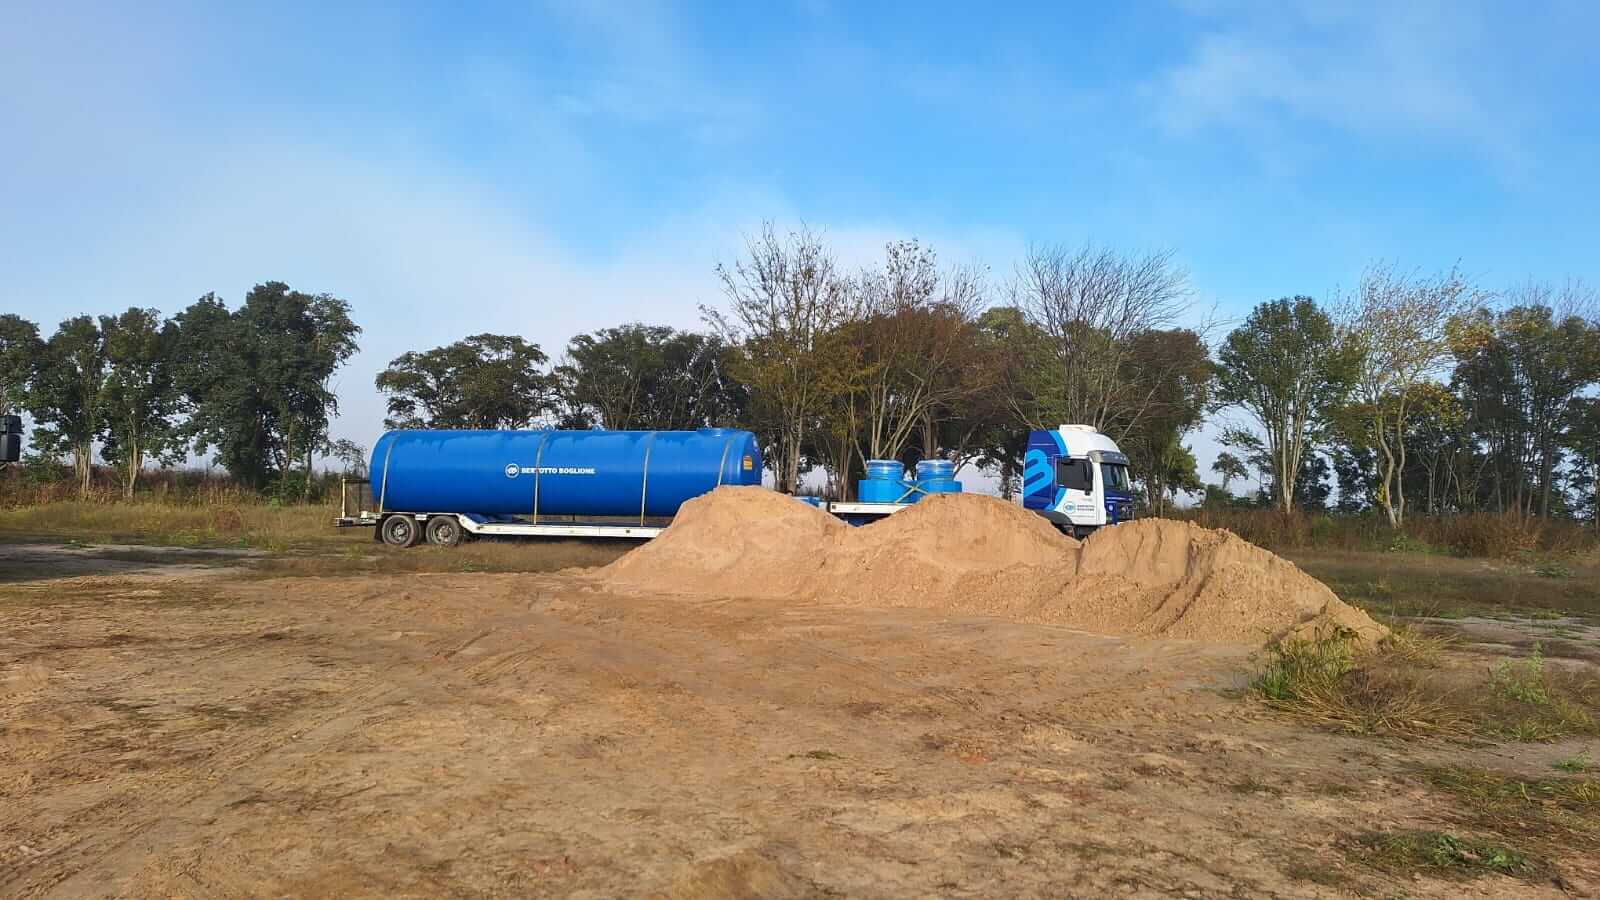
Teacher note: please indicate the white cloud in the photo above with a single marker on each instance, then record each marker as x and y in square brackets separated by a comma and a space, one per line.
[425, 254]
[1373, 69]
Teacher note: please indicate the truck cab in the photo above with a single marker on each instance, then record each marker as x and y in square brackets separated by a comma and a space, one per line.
[1077, 478]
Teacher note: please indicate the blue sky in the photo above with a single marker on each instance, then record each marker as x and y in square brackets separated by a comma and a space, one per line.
[550, 169]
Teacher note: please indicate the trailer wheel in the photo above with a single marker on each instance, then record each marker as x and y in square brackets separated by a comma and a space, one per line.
[444, 531]
[399, 531]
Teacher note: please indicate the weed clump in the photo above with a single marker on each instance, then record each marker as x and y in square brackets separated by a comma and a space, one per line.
[1553, 817]
[1404, 687]
[1530, 701]
[1574, 764]
[1335, 681]
[1522, 680]
[1442, 853]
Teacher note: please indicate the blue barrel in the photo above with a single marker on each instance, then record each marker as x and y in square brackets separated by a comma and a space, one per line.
[937, 476]
[885, 469]
[885, 482]
[558, 473]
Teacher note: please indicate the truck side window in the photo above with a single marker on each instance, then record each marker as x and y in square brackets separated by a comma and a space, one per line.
[1075, 474]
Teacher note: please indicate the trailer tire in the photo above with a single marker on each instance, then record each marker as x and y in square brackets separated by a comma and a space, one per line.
[444, 531]
[399, 531]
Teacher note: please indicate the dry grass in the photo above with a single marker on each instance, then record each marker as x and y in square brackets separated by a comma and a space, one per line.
[1410, 646]
[1503, 823]
[1528, 700]
[1338, 683]
[258, 525]
[1411, 686]
[1482, 535]
[1547, 819]
[1407, 585]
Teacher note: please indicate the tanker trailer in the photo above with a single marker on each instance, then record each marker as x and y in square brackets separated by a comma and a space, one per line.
[441, 485]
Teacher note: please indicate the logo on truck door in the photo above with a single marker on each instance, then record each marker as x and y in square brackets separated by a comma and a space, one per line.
[513, 470]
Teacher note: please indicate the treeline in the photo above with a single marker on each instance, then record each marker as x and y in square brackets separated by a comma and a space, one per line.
[249, 384]
[1411, 390]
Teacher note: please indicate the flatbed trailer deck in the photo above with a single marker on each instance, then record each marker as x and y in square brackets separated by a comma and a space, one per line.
[482, 526]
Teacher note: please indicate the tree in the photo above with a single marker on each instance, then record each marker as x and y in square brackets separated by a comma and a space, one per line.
[20, 348]
[257, 379]
[1229, 467]
[1168, 469]
[914, 328]
[299, 340]
[141, 394]
[1583, 439]
[1175, 372]
[1398, 324]
[1006, 346]
[1437, 441]
[1089, 305]
[1287, 368]
[67, 395]
[648, 377]
[352, 455]
[215, 371]
[483, 381]
[1518, 371]
[973, 422]
[1311, 487]
[785, 304]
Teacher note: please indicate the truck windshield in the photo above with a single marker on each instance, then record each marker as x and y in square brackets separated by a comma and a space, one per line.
[1116, 476]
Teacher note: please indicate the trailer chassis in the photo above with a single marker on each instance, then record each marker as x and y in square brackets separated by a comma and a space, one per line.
[415, 527]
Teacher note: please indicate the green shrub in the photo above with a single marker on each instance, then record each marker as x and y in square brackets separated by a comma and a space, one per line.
[1522, 680]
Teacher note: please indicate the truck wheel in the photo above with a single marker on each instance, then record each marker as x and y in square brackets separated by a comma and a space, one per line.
[399, 531]
[444, 531]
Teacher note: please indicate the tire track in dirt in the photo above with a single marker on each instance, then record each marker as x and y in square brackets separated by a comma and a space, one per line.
[180, 811]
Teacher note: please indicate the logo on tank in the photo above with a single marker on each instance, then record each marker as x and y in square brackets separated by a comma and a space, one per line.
[513, 470]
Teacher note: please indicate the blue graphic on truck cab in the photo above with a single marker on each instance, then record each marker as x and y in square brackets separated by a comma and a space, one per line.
[1039, 488]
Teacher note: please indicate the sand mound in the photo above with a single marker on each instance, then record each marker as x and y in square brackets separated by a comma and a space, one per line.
[962, 533]
[966, 553]
[742, 540]
[1210, 584]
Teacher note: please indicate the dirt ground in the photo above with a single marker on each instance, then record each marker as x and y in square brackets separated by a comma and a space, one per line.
[180, 728]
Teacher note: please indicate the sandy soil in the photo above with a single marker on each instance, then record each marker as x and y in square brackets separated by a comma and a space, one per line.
[552, 736]
[978, 555]
[36, 560]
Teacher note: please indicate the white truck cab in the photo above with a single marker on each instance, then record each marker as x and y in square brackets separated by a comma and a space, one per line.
[1077, 478]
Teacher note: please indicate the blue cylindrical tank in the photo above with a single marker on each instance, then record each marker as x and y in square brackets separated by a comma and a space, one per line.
[885, 469]
[558, 473]
[937, 476]
[885, 482]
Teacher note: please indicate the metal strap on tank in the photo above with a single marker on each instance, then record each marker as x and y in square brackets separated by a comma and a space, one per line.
[644, 483]
[383, 491]
[538, 470]
[723, 466]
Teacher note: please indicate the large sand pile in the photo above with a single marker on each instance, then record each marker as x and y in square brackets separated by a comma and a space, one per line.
[973, 554]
